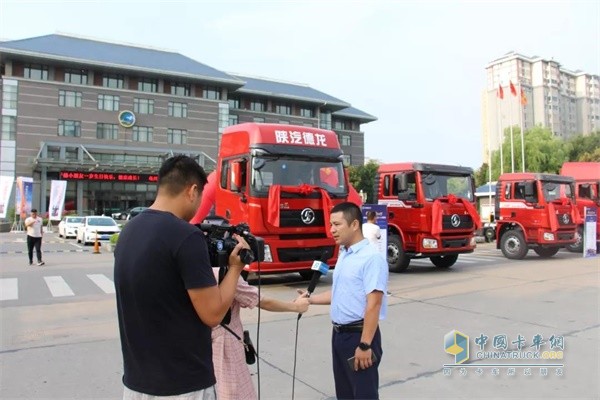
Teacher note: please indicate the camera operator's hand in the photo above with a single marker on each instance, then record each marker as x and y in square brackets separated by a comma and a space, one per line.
[234, 257]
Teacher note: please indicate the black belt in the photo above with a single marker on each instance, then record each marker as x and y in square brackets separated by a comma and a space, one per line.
[352, 327]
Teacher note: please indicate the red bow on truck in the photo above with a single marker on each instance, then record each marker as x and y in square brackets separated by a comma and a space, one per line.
[436, 212]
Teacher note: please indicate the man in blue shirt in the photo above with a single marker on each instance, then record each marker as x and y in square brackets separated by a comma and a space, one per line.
[357, 304]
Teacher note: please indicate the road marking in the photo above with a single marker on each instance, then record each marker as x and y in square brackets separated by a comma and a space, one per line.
[58, 287]
[9, 289]
[76, 245]
[103, 282]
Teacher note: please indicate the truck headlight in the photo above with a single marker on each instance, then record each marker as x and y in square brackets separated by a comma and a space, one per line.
[430, 244]
[268, 255]
[548, 236]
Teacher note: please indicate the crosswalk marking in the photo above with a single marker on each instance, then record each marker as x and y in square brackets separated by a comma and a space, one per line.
[103, 282]
[58, 287]
[9, 289]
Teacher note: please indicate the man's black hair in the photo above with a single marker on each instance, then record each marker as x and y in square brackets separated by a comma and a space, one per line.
[371, 215]
[179, 172]
[351, 212]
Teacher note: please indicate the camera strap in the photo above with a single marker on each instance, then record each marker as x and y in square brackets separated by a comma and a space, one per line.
[238, 338]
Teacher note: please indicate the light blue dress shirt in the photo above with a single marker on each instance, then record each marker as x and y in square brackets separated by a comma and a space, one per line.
[359, 270]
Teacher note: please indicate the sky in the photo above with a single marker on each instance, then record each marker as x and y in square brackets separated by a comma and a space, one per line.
[418, 66]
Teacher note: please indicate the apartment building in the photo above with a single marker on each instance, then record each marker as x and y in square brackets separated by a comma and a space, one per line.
[103, 116]
[545, 93]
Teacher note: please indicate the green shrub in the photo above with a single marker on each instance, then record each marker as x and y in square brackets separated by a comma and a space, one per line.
[114, 238]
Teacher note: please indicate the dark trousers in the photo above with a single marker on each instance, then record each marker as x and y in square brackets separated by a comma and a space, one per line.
[350, 384]
[37, 243]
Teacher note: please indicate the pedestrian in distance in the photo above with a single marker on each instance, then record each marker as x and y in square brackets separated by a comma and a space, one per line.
[167, 296]
[371, 230]
[35, 231]
[357, 304]
[233, 376]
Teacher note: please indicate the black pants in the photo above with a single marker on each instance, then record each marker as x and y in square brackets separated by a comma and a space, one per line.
[37, 243]
[349, 384]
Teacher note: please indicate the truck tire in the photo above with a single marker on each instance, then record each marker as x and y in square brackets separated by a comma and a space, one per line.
[513, 245]
[577, 247]
[397, 259]
[444, 261]
[489, 234]
[546, 252]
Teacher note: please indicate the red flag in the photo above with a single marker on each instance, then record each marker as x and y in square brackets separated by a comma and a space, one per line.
[523, 98]
[500, 92]
[513, 89]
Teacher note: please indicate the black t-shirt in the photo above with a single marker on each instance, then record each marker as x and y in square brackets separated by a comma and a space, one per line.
[166, 347]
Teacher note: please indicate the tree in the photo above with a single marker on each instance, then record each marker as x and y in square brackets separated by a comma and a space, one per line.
[481, 175]
[584, 148]
[362, 177]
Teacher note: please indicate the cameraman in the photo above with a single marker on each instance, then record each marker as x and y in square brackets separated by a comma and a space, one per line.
[167, 295]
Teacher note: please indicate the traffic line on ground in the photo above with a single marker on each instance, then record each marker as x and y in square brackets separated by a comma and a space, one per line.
[47, 251]
[9, 289]
[58, 287]
[103, 282]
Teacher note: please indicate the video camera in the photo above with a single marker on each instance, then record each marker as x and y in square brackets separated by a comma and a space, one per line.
[220, 241]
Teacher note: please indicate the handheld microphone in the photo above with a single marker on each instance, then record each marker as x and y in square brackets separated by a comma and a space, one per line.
[319, 268]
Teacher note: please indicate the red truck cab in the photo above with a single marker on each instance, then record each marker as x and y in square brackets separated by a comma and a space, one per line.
[534, 210]
[587, 189]
[431, 212]
[282, 180]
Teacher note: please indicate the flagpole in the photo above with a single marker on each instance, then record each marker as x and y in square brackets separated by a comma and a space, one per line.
[522, 105]
[512, 147]
[500, 135]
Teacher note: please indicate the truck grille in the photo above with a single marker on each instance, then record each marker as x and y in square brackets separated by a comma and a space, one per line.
[466, 222]
[564, 219]
[306, 254]
[565, 236]
[292, 218]
[454, 243]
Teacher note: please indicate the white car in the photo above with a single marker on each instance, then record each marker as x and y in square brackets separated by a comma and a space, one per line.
[68, 226]
[104, 227]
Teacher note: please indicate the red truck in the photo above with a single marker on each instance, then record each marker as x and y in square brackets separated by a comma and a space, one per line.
[281, 180]
[534, 210]
[587, 187]
[431, 212]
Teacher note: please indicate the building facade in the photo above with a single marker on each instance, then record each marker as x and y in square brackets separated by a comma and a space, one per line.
[103, 116]
[546, 94]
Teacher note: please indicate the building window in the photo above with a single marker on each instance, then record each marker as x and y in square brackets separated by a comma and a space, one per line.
[346, 160]
[211, 93]
[233, 119]
[177, 136]
[148, 85]
[233, 103]
[345, 140]
[258, 105]
[258, 119]
[114, 81]
[76, 76]
[143, 106]
[181, 89]
[142, 134]
[306, 112]
[223, 116]
[107, 131]
[283, 109]
[69, 128]
[325, 120]
[108, 102]
[68, 98]
[178, 110]
[9, 127]
[36, 71]
[9, 95]
[284, 122]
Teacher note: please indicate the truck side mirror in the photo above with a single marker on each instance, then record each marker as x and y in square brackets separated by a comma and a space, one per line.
[236, 176]
[402, 181]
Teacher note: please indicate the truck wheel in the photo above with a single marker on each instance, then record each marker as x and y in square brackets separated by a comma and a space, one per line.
[489, 234]
[396, 257]
[577, 247]
[513, 245]
[444, 261]
[546, 252]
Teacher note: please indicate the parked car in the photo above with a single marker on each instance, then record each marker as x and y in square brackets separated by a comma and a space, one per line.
[104, 227]
[67, 227]
[135, 211]
[119, 215]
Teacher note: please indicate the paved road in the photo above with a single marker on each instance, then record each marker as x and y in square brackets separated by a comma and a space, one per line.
[60, 337]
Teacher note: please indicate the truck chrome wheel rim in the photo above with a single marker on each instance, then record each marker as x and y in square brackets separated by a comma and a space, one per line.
[393, 254]
[513, 245]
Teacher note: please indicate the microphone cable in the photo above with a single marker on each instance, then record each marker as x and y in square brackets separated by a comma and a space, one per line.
[295, 355]
[258, 322]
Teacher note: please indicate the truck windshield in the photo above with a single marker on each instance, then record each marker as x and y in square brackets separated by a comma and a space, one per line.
[437, 185]
[554, 191]
[267, 171]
